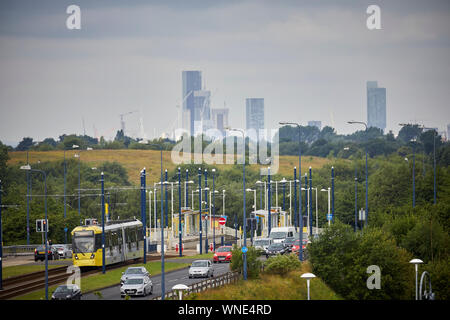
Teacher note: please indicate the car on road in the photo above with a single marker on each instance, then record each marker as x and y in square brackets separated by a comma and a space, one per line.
[289, 243]
[67, 292]
[296, 246]
[137, 285]
[63, 250]
[39, 253]
[261, 244]
[201, 268]
[133, 272]
[275, 248]
[223, 254]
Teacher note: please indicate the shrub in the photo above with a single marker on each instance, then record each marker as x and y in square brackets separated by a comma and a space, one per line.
[282, 264]
[253, 262]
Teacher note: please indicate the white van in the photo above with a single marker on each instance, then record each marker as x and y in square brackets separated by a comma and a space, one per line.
[262, 243]
[279, 234]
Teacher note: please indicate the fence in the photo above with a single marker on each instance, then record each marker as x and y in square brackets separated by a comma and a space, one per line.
[227, 278]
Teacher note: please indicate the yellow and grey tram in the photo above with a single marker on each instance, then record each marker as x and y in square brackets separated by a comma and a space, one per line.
[123, 241]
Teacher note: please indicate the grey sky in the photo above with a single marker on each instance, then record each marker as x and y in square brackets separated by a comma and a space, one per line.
[309, 60]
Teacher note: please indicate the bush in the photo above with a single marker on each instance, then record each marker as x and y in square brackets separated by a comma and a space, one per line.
[282, 264]
[253, 262]
[341, 258]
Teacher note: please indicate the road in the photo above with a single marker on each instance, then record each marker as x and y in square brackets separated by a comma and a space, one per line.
[172, 278]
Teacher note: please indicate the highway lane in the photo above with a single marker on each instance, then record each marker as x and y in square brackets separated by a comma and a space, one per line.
[172, 278]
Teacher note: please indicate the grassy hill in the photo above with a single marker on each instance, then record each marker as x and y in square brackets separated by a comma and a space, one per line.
[135, 160]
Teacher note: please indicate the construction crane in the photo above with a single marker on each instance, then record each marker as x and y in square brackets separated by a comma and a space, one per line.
[122, 122]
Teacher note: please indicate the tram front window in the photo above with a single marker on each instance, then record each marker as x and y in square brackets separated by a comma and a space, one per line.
[83, 242]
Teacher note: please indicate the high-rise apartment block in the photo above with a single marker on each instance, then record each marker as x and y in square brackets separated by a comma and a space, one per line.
[254, 114]
[376, 105]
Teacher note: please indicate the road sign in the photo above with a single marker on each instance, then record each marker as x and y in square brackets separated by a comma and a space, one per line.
[329, 217]
[244, 249]
[222, 221]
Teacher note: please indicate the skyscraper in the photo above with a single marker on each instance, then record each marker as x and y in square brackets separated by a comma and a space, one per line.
[220, 118]
[376, 105]
[191, 82]
[254, 114]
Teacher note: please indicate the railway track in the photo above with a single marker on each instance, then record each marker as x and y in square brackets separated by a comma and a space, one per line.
[26, 283]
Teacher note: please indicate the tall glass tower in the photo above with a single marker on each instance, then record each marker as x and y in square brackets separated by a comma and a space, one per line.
[376, 105]
[254, 114]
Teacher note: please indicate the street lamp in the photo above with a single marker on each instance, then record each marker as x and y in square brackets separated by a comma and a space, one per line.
[327, 190]
[416, 263]
[308, 277]
[300, 256]
[162, 220]
[254, 209]
[28, 167]
[74, 146]
[434, 162]
[244, 254]
[367, 181]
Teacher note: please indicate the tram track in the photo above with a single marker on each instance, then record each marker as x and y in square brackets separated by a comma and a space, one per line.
[26, 283]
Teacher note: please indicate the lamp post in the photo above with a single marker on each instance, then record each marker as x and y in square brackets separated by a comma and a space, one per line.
[244, 254]
[143, 210]
[163, 289]
[65, 183]
[416, 263]
[434, 163]
[367, 179]
[254, 209]
[296, 216]
[327, 190]
[300, 256]
[180, 239]
[308, 277]
[78, 155]
[1, 240]
[102, 180]
[200, 207]
[28, 167]
[206, 208]
[213, 204]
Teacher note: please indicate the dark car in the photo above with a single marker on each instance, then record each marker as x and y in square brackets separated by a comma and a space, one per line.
[275, 248]
[67, 292]
[288, 243]
[39, 253]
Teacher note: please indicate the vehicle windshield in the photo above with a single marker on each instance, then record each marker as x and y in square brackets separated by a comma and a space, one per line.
[134, 281]
[289, 240]
[134, 271]
[83, 242]
[224, 249]
[63, 289]
[278, 235]
[41, 248]
[276, 246]
[262, 242]
[201, 264]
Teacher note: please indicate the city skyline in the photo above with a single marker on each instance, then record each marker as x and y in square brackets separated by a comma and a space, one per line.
[309, 60]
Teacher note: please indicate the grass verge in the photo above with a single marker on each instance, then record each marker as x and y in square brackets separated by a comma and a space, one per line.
[110, 278]
[271, 287]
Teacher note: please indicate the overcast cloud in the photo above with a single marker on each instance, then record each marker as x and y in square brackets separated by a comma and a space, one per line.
[309, 60]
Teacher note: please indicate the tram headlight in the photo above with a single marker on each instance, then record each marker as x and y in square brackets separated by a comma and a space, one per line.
[92, 256]
[76, 257]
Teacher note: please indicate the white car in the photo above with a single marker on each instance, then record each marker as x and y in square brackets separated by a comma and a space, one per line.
[136, 286]
[134, 272]
[64, 251]
[201, 268]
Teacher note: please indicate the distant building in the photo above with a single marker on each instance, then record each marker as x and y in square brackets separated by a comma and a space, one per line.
[191, 82]
[254, 114]
[317, 124]
[376, 105]
[219, 116]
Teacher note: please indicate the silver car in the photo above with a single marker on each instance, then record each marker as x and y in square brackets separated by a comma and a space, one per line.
[136, 286]
[134, 272]
[201, 268]
[64, 251]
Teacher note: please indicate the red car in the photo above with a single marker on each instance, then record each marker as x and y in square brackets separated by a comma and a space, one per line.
[222, 254]
[296, 247]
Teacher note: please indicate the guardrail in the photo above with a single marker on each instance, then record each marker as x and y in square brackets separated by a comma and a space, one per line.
[227, 278]
[19, 250]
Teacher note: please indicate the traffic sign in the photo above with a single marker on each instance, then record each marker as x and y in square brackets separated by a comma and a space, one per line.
[222, 221]
[244, 249]
[329, 217]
